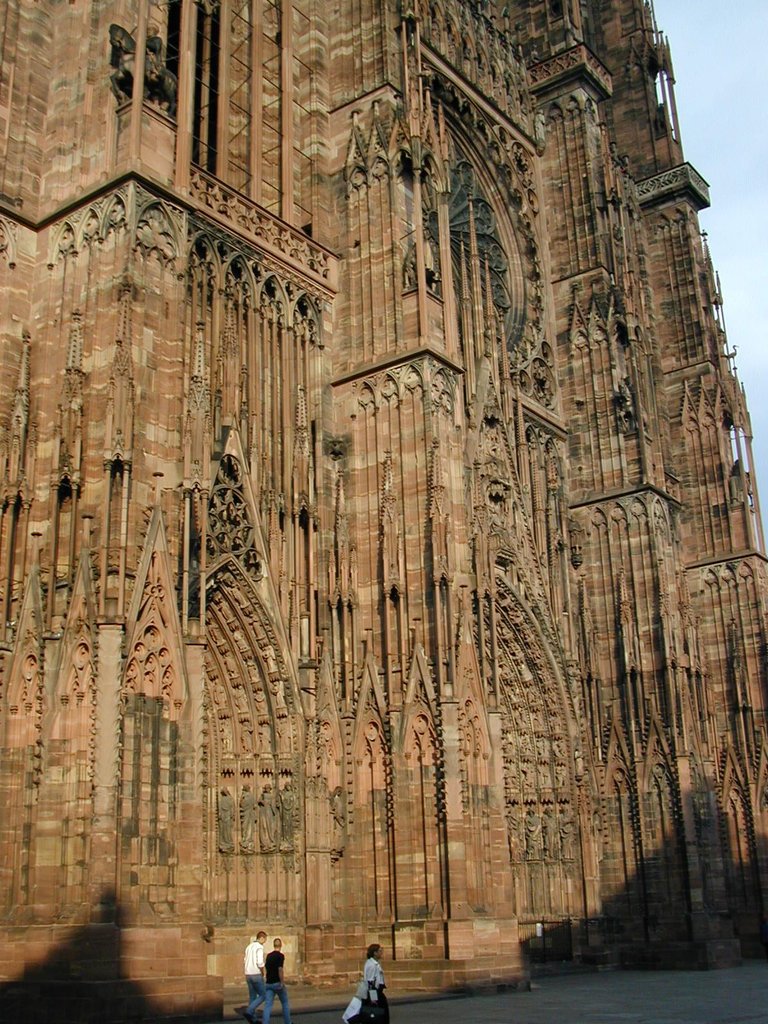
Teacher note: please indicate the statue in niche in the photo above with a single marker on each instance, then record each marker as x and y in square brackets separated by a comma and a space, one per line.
[160, 84]
[513, 838]
[246, 739]
[540, 131]
[226, 821]
[532, 835]
[339, 820]
[278, 689]
[409, 268]
[268, 820]
[281, 733]
[549, 835]
[567, 834]
[624, 402]
[247, 819]
[338, 812]
[431, 262]
[264, 740]
[287, 810]
[225, 733]
[260, 701]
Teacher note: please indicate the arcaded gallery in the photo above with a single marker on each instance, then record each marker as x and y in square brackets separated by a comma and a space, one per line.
[381, 556]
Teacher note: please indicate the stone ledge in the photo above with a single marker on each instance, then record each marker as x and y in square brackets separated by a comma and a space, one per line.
[679, 183]
[575, 67]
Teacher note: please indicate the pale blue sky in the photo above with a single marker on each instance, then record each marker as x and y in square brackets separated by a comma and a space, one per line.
[718, 53]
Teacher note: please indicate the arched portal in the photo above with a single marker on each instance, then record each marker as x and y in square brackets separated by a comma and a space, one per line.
[253, 726]
[538, 732]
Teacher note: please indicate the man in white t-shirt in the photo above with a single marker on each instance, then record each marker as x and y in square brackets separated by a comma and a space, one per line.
[253, 964]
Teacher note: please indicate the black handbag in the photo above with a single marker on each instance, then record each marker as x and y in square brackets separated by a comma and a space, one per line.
[370, 1012]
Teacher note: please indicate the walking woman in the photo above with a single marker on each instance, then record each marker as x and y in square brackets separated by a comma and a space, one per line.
[374, 976]
[369, 993]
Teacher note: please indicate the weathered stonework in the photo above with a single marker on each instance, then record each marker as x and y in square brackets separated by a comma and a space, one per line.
[380, 551]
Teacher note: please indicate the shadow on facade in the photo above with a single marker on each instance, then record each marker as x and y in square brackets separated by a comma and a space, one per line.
[647, 916]
[80, 980]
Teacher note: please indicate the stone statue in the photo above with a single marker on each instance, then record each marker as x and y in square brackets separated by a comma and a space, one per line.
[337, 811]
[226, 821]
[247, 819]
[160, 84]
[540, 131]
[567, 834]
[532, 835]
[409, 268]
[513, 838]
[339, 820]
[268, 820]
[549, 835]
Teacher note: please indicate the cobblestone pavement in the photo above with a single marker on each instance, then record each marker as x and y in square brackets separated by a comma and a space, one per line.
[737, 995]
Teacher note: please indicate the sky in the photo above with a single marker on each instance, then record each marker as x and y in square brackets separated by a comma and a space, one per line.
[721, 87]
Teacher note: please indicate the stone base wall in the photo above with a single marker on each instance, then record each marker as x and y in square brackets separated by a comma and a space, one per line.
[170, 1000]
[101, 972]
[332, 955]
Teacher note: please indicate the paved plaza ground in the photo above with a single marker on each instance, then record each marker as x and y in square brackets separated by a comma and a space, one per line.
[737, 995]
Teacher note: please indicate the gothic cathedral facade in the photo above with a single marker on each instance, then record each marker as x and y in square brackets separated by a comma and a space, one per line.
[380, 551]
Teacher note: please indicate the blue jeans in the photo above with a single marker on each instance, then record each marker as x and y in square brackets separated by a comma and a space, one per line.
[281, 992]
[256, 992]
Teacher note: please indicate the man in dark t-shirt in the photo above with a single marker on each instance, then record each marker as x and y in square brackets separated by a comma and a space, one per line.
[273, 966]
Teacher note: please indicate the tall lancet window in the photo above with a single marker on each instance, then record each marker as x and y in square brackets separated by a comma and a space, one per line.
[206, 97]
[173, 37]
[239, 120]
[269, 185]
[254, 100]
[483, 277]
